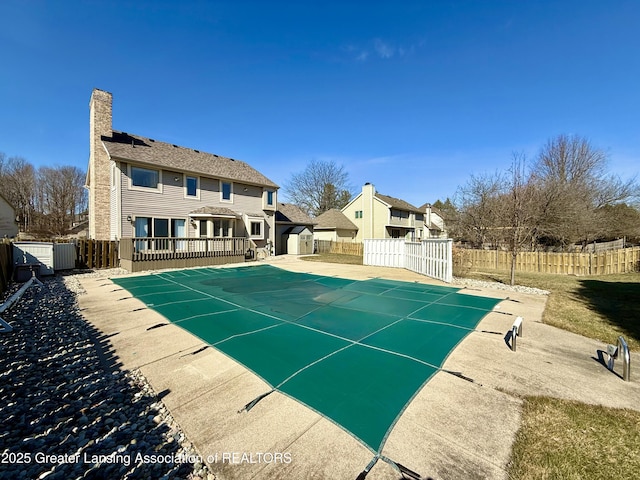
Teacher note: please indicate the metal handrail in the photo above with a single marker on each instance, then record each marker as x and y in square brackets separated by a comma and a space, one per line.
[626, 358]
[516, 331]
[621, 349]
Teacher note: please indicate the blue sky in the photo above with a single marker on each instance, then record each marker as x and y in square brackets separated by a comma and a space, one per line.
[411, 96]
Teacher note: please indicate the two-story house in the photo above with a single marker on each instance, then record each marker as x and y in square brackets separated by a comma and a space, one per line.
[140, 187]
[434, 224]
[380, 216]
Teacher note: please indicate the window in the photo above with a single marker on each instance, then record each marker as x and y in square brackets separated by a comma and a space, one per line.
[222, 228]
[268, 199]
[143, 227]
[178, 228]
[203, 228]
[255, 228]
[358, 213]
[160, 227]
[145, 178]
[191, 187]
[419, 217]
[226, 191]
[399, 214]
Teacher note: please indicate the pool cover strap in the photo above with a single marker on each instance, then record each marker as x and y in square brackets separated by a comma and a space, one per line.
[404, 471]
[253, 402]
[368, 468]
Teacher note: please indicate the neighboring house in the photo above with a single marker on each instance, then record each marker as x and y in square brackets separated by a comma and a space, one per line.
[335, 226]
[8, 223]
[380, 216]
[294, 230]
[433, 222]
[141, 187]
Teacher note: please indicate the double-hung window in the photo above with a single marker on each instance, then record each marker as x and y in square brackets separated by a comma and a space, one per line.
[226, 191]
[146, 179]
[191, 187]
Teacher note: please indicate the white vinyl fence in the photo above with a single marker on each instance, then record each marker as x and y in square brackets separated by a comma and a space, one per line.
[432, 258]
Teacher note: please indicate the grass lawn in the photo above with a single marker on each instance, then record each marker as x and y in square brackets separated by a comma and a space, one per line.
[560, 439]
[599, 307]
[335, 258]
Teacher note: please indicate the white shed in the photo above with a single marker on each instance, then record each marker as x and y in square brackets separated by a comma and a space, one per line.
[298, 240]
[34, 253]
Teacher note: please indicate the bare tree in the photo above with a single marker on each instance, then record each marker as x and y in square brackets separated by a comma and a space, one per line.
[479, 209]
[17, 182]
[501, 209]
[46, 201]
[321, 186]
[574, 186]
[61, 195]
[520, 210]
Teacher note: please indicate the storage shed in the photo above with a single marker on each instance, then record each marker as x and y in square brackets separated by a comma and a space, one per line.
[33, 254]
[289, 217]
[298, 240]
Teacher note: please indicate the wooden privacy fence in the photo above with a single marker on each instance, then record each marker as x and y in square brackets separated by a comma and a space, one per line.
[343, 248]
[6, 265]
[432, 257]
[602, 263]
[97, 253]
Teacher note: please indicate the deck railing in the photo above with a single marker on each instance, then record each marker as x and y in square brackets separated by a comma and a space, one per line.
[164, 248]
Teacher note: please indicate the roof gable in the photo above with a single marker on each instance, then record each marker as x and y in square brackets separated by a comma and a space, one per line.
[289, 213]
[398, 203]
[334, 219]
[147, 151]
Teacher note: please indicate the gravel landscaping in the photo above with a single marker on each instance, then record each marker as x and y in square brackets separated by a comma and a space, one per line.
[468, 282]
[68, 411]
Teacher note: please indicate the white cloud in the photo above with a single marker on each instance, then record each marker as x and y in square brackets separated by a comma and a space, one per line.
[383, 49]
[377, 48]
[362, 56]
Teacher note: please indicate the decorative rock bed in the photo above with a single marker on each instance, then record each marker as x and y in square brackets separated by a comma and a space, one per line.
[67, 412]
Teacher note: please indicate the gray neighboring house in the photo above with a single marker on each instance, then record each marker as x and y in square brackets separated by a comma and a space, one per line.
[295, 230]
[142, 187]
[8, 223]
[335, 226]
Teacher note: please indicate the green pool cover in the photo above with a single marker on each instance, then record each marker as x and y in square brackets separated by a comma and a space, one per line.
[354, 351]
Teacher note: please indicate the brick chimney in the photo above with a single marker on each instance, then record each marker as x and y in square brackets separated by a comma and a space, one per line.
[99, 171]
[368, 192]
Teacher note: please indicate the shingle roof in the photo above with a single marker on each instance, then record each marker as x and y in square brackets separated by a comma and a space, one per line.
[334, 219]
[433, 209]
[152, 152]
[214, 211]
[397, 203]
[289, 213]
